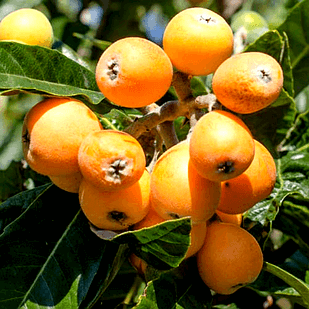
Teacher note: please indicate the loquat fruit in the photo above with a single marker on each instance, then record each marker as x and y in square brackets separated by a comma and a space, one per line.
[53, 130]
[253, 185]
[248, 82]
[68, 182]
[28, 26]
[111, 160]
[229, 259]
[221, 146]
[177, 189]
[198, 40]
[134, 72]
[229, 218]
[118, 209]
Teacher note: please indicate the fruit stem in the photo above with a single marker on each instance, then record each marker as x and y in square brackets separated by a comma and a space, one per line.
[167, 131]
[182, 85]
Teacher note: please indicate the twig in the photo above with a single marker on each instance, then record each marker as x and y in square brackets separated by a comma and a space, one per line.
[169, 111]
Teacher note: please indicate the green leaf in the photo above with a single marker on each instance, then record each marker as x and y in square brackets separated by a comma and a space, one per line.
[48, 255]
[45, 71]
[70, 53]
[17, 178]
[198, 86]
[11, 181]
[301, 287]
[162, 246]
[271, 125]
[292, 180]
[296, 26]
[180, 288]
[290, 196]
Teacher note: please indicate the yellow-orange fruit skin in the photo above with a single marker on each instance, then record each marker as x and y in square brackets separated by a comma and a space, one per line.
[253, 185]
[69, 182]
[248, 82]
[111, 160]
[115, 210]
[134, 72]
[198, 40]
[177, 190]
[229, 218]
[197, 234]
[52, 133]
[221, 146]
[229, 259]
[28, 26]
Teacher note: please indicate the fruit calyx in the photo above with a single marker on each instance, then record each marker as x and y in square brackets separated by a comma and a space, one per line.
[206, 19]
[226, 167]
[117, 170]
[117, 216]
[113, 69]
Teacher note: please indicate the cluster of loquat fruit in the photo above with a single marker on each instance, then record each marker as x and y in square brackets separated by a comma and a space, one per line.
[220, 171]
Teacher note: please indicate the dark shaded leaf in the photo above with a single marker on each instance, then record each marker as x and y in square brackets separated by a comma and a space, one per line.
[179, 288]
[49, 256]
[162, 246]
[301, 287]
[296, 26]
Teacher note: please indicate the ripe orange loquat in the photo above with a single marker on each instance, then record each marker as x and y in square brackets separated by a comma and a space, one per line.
[134, 72]
[52, 133]
[111, 159]
[198, 40]
[177, 189]
[253, 185]
[248, 82]
[221, 146]
[118, 209]
[229, 259]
